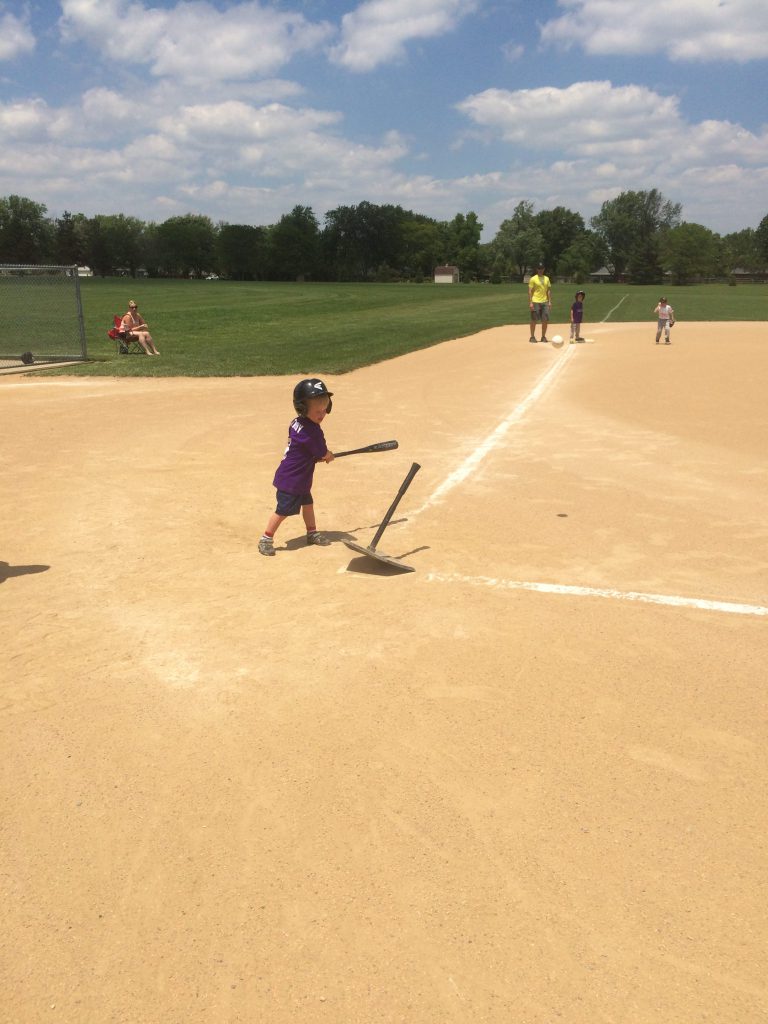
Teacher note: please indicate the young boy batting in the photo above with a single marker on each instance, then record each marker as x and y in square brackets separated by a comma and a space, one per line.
[294, 475]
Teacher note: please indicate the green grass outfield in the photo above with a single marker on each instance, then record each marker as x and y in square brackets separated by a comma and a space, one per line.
[228, 328]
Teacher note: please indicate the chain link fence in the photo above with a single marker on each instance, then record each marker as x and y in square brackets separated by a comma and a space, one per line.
[41, 316]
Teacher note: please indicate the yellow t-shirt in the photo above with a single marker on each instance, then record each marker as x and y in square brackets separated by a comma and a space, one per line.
[538, 287]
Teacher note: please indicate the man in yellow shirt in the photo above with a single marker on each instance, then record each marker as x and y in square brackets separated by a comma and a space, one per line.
[540, 302]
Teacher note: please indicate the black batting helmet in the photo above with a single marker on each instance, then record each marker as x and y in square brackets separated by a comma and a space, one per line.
[312, 387]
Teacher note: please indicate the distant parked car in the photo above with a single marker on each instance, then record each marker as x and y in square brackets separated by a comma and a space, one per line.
[212, 277]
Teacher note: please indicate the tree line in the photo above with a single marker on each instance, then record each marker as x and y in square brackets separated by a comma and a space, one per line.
[638, 237]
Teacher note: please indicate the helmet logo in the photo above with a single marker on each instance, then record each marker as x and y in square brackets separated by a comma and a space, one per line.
[310, 387]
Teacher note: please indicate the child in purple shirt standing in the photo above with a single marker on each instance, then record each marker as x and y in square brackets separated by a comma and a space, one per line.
[293, 477]
[577, 317]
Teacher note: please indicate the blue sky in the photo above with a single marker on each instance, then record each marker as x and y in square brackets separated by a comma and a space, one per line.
[242, 110]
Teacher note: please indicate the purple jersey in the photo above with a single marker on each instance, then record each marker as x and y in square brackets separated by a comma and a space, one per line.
[306, 446]
[577, 312]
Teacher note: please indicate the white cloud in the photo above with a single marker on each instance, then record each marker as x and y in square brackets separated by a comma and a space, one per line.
[109, 113]
[586, 117]
[376, 32]
[100, 118]
[16, 38]
[277, 142]
[26, 119]
[607, 139]
[693, 30]
[193, 42]
[629, 125]
[148, 155]
[513, 51]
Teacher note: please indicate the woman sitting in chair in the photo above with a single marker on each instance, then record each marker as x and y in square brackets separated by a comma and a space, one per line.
[137, 328]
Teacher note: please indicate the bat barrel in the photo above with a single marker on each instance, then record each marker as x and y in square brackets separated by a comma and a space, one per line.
[380, 446]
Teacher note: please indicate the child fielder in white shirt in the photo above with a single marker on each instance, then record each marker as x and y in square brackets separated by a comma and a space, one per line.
[666, 319]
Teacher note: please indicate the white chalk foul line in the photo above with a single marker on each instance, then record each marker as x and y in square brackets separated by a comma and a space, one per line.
[617, 595]
[493, 440]
[614, 308]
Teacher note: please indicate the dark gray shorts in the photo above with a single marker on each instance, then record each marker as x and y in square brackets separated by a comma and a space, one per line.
[290, 504]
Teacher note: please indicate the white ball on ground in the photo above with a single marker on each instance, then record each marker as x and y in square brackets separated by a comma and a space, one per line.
[557, 340]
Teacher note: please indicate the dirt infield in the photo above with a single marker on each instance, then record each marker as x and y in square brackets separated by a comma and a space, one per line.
[526, 783]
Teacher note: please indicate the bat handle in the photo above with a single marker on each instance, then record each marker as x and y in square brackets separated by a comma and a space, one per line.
[391, 510]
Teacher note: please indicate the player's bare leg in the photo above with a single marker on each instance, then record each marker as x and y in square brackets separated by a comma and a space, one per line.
[266, 541]
[313, 536]
[533, 330]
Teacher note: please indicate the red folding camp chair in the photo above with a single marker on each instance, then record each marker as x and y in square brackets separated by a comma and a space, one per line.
[122, 339]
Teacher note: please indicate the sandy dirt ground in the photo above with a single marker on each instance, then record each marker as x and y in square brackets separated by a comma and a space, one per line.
[241, 789]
